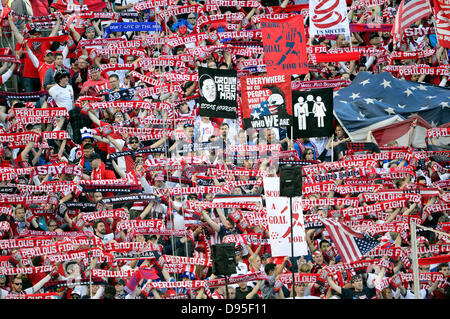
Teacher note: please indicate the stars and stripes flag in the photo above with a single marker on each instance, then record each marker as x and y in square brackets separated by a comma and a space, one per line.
[350, 244]
[373, 101]
[442, 14]
[409, 12]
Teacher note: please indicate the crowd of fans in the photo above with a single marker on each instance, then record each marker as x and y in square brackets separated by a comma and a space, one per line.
[118, 206]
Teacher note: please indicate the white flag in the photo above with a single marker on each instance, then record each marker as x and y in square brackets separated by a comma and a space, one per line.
[328, 17]
[279, 223]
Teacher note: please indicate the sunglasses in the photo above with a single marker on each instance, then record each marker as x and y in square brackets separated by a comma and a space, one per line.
[18, 284]
[134, 142]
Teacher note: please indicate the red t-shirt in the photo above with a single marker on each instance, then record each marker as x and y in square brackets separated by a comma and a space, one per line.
[29, 71]
[43, 67]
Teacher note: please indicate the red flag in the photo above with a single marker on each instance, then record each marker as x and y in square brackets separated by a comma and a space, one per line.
[409, 12]
[284, 45]
[442, 14]
[399, 131]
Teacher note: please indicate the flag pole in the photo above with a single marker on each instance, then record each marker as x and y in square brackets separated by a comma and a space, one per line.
[292, 230]
[415, 264]
[332, 151]
[292, 250]
[90, 269]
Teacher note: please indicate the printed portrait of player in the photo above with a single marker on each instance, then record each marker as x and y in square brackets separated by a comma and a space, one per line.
[274, 105]
[208, 88]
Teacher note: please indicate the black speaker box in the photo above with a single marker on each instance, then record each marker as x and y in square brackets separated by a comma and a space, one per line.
[270, 3]
[223, 259]
[290, 181]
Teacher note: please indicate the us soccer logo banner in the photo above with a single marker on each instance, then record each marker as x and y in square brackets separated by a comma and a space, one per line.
[281, 235]
[313, 113]
[328, 17]
[217, 93]
[284, 44]
[266, 101]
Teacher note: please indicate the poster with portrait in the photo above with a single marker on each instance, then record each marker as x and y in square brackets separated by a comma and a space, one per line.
[284, 44]
[217, 93]
[266, 101]
[313, 113]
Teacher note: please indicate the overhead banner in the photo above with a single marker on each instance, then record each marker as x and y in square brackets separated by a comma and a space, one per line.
[266, 101]
[328, 17]
[217, 92]
[284, 44]
[442, 14]
[279, 224]
[313, 113]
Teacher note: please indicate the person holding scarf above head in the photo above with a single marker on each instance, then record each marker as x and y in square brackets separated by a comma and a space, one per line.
[46, 64]
[30, 73]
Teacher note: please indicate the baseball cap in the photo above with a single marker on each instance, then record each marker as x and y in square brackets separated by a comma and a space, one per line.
[90, 28]
[86, 133]
[76, 291]
[159, 177]
[49, 52]
[34, 31]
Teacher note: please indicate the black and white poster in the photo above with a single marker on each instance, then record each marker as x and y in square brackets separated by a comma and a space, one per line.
[313, 113]
[217, 93]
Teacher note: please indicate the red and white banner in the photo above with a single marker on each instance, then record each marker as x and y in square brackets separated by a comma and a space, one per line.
[279, 223]
[442, 14]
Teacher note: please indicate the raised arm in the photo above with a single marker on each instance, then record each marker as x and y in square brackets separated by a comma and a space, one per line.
[56, 27]
[17, 34]
[254, 290]
[210, 222]
[333, 285]
[32, 57]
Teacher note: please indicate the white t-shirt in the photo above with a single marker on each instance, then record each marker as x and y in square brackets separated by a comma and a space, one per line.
[63, 96]
[178, 221]
[206, 130]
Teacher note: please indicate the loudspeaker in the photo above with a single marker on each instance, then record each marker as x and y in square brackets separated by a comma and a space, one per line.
[270, 3]
[290, 181]
[223, 259]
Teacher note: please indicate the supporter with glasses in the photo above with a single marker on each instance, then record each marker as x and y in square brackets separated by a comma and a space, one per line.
[17, 286]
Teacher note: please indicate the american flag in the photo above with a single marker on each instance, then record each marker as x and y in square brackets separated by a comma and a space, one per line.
[409, 12]
[350, 244]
